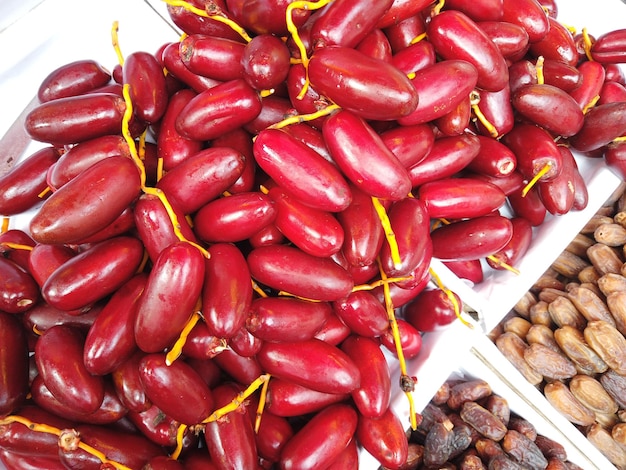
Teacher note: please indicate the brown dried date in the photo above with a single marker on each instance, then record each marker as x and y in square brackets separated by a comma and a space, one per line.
[562, 399]
[572, 343]
[512, 347]
[549, 363]
[602, 439]
[609, 343]
[592, 394]
[523, 450]
[438, 445]
[481, 419]
[589, 304]
[471, 390]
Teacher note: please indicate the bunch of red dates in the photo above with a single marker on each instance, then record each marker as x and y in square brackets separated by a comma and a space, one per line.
[233, 235]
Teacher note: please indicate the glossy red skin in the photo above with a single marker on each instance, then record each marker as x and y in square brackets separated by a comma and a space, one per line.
[448, 156]
[557, 44]
[212, 56]
[265, 17]
[76, 118]
[245, 343]
[510, 183]
[311, 136]
[130, 449]
[191, 23]
[162, 462]
[219, 109]
[364, 158]
[201, 178]
[148, 90]
[45, 259]
[414, 57]
[18, 461]
[227, 290]
[242, 369]
[348, 459]
[410, 339]
[468, 269]
[534, 148]
[20, 291]
[347, 23]
[312, 363]
[301, 170]
[173, 147]
[274, 432]
[59, 358]
[314, 231]
[154, 226]
[611, 92]
[472, 238]
[399, 294]
[615, 158]
[370, 88]
[581, 193]
[441, 87]
[173, 288]
[127, 383]
[401, 10]
[614, 73]
[549, 107]
[360, 274]
[268, 235]
[376, 45]
[431, 310]
[231, 440]
[14, 359]
[122, 225]
[592, 78]
[234, 218]
[529, 14]
[363, 313]
[402, 34]
[321, 440]
[517, 246]
[291, 269]
[493, 159]
[240, 140]
[455, 198]
[93, 274]
[484, 10]
[497, 109]
[265, 62]
[610, 47]
[110, 411]
[529, 206]
[201, 344]
[603, 123]
[20, 439]
[43, 316]
[111, 339]
[83, 155]
[173, 62]
[21, 185]
[311, 101]
[274, 108]
[18, 255]
[384, 438]
[557, 195]
[71, 213]
[280, 319]
[510, 38]
[456, 121]
[71, 79]
[411, 223]
[198, 459]
[561, 75]
[177, 389]
[373, 397]
[334, 331]
[155, 425]
[455, 36]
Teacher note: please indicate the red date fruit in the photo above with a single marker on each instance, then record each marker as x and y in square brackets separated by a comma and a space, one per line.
[21, 185]
[534, 149]
[93, 274]
[74, 212]
[592, 78]
[211, 56]
[14, 359]
[529, 14]
[363, 313]
[321, 440]
[265, 62]
[493, 159]
[19, 291]
[432, 310]
[497, 108]
[368, 87]
[288, 399]
[602, 124]
[177, 389]
[73, 78]
[384, 438]
[511, 39]
[610, 47]
[59, 358]
[147, 87]
[516, 247]
[128, 385]
[558, 44]
[311, 363]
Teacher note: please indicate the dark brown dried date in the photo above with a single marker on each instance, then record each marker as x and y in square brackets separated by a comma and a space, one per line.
[438, 445]
[472, 390]
[523, 450]
[481, 419]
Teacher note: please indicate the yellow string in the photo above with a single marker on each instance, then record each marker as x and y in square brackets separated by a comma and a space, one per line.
[537, 177]
[238, 400]
[389, 234]
[116, 43]
[474, 101]
[300, 118]
[451, 296]
[16, 246]
[539, 69]
[587, 44]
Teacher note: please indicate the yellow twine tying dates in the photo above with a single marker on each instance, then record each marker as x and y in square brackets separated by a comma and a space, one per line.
[437, 8]
[180, 434]
[177, 349]
[620, 139]
[261, 406]
[238, 400]
[116, 43]
[539, 69]
[451, 296]
[502, 264]
[591, 104]
[300, 118]
[545, 169]
[474, 101]
[407, 382]
[38, 427]
[16, 246]
[293, 30]
[389, 234]
[587, 44]
[5, 224]
[216, 15]
[43, 193]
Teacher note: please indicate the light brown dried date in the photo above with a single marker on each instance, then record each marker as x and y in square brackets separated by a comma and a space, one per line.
[549, 363]
[562, 399]
[471, 462]
[606, 420]
[594, 222]
[483, 421]
[620, 218]
[523, 450]
[564, 312]
[488, 449]
[609, 343]
[517, 325]
[569, 264]
[579, 245]
[470, 390]
[592, 394]
[539, 314]
[549, 294]
[550, 448]
[523, 426]
[523, 305]
[602, 439]
[572, 343]
[618, 433]
[589, 275]
[612, 282]
[604, 258]
[590, 305]
[611, 234]
[512, 347]
[616, 302]
[499, 406]
[542, 334]
[615, 385]
[556, 464]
